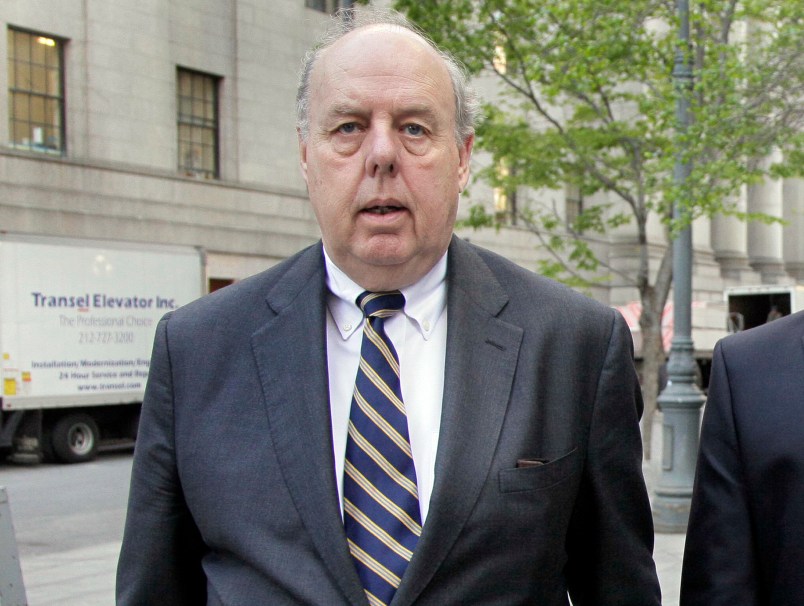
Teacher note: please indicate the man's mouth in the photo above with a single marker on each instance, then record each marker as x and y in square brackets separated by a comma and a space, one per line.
[383, 210]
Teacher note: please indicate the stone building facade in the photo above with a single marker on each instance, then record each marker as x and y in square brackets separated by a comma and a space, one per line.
[172, 122]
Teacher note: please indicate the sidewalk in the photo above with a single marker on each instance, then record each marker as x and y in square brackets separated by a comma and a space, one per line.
[85, 577]
[80, 577]
[668, 552]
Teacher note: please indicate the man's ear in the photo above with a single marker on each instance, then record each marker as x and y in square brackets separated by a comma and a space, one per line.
[464, 158]
[302, 155]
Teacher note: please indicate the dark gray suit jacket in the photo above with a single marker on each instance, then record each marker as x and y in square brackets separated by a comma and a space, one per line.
[233, 495]
[745, 541]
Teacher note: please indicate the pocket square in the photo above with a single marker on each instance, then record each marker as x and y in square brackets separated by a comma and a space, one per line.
[520, 463]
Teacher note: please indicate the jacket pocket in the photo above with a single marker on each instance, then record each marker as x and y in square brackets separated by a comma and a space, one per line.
[538, 477]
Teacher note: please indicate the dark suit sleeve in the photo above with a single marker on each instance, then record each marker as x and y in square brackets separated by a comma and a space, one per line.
[160, 559]
[719, 565]
[610, 545]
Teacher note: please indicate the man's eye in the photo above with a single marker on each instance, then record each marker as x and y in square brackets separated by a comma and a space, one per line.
[347, 128]
[414, 129]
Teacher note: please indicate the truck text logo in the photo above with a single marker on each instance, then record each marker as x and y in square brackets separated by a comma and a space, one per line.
[102, 301]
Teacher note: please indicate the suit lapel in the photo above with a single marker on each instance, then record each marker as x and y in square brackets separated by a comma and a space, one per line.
[482, 353]
[290, 352]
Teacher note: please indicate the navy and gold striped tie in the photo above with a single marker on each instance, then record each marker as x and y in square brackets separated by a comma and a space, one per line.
[380, 497]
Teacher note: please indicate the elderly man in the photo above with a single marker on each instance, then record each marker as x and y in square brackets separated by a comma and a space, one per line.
[391, 414]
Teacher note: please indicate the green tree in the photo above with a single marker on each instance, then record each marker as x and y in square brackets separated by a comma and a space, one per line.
[584, 97]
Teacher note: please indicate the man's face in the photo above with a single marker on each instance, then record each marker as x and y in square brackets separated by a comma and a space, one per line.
[382, 165]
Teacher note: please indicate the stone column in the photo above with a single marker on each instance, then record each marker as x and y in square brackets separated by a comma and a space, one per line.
[764, 240]
[730, 240]
[793, 231]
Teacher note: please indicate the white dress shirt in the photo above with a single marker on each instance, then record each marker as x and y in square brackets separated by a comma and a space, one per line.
[419, 335]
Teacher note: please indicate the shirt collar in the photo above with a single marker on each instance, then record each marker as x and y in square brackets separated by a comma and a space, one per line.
[425, 300]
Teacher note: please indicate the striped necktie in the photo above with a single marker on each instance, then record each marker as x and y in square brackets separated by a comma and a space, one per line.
[380, 497]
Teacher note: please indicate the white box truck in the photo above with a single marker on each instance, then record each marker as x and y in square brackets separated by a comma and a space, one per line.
[750, 306]
[77, 321]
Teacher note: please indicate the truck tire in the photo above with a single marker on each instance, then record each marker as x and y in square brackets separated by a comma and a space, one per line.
[75, 438]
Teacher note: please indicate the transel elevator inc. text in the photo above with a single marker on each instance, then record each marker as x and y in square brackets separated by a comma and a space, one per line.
[101, 301]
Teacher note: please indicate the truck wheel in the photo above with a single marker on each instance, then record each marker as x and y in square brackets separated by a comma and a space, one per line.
[75, 438]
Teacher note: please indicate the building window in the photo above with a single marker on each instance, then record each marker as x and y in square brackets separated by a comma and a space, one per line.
[198, 124]
[500, 59]
[218, 283]
[328, 6]
[35, 91]
[505, 198]
[574, 203]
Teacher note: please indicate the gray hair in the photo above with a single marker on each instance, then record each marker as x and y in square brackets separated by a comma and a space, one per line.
[467, 107]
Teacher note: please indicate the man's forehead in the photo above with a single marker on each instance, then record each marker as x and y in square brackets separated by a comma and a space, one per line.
[371, 44]
[382, 32]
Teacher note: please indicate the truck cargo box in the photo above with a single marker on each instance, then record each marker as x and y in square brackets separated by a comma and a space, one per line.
[77, 321]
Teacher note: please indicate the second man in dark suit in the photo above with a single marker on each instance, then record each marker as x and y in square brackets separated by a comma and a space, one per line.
[745, 541]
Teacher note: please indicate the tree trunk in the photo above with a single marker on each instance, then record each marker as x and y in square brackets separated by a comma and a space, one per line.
[653, 358]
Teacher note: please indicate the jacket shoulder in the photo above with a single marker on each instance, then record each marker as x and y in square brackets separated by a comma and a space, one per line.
[527, 289]
[766, 350]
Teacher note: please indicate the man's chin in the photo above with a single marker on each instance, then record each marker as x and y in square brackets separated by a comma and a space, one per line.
[386, 250]
[382, 270]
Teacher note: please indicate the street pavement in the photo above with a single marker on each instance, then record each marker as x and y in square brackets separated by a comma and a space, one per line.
[667, 553]
[85, 576]
[80, 577]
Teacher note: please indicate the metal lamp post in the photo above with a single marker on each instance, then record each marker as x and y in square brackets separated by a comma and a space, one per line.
[681, 400]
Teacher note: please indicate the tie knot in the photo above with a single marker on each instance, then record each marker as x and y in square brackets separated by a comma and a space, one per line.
[381, 304]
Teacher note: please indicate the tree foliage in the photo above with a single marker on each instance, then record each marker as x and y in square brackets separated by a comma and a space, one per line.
[584, 96]
[588, 97]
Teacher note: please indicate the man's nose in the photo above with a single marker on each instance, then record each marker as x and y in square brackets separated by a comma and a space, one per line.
[382, 157]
